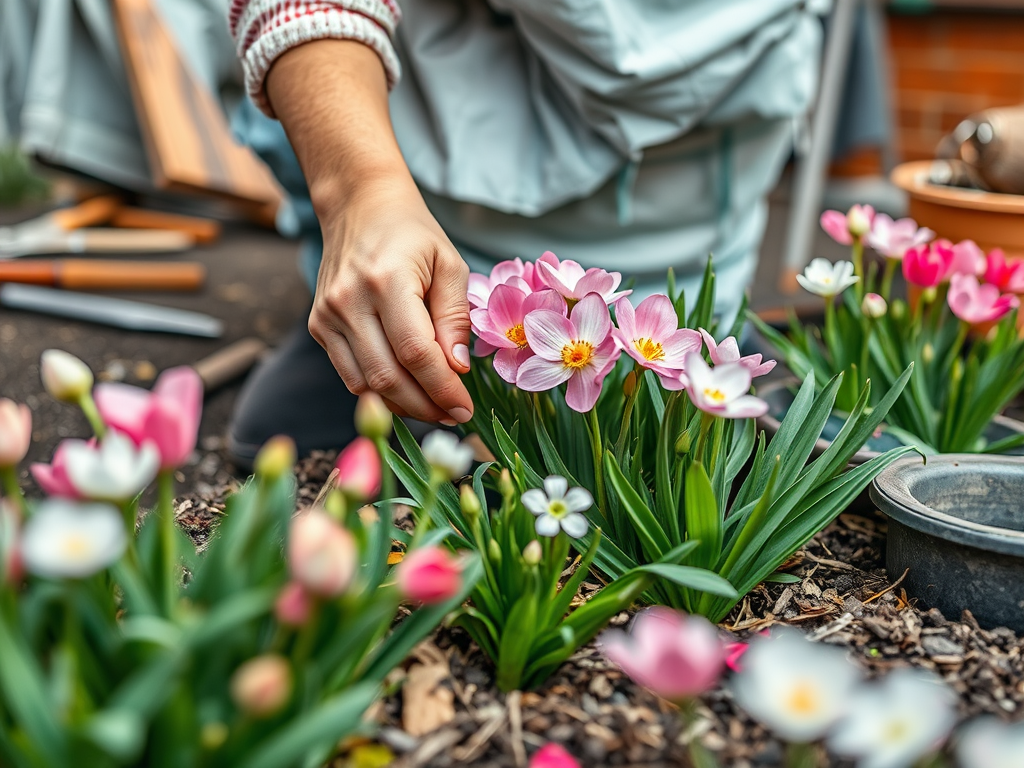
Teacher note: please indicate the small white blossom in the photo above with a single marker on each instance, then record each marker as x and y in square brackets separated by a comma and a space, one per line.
[68, 540]
[559, 507]
[990, 743]
[826, 279]
[446, 454]
[65, 377]
[874, 306]
[113, 471]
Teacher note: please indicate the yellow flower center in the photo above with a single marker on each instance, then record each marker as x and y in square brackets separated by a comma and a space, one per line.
[557, 509]
[577, 354]
[75, 546]
[802, 700]
[715, 395]
[650, 349]
[896, 732]
[517, 336]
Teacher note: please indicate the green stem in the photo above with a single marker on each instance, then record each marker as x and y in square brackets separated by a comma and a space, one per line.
[597, 448]
[887, 275]
[88, 406]
[706, 420]
[700, 756]
[620, 445]
[716, 445]
[9, 476]
[168, 541]
[801, 756]
[858, 267]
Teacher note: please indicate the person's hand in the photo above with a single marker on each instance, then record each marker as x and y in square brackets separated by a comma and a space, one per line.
[390, 305]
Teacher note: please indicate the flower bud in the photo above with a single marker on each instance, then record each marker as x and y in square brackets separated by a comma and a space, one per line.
[294, 605]
[505, 485]
[359, 470]
[898, 309]
[494, 552]
[213, 735]
[928, 295]
[469, 502]
[321, 554]
[372, 417]
[629, 384]
[553, 755]
[958, 371]
[65, 377]
[683, 443]
[429, 575]
[858, 220]
[276, 458]
[15, 432]
[927, 353]
[262, 686]
[533, 553]
[873, 306]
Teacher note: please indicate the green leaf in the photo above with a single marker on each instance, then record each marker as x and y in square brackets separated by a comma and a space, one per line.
[703, 522]
[514, 647]
[700, 579]
[653, 539]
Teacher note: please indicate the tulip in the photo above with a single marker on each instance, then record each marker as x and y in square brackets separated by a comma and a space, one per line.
[651, 336]
[53, 477]
[572, 282]
[892, 239]
[578, 349]
[896, 722]
[115, 470]
[65, 377]
[294, 605]
[262, 686]
[928, 265]
[728, 351]
[514, 273]
[500, 325]
[553, 755]
[825, 279]
[854, 225]
[990, 743]
[15, 432]
[68, 540]
[873, 306]
[447, 455]
[797, 688]
[168, 416]
[372, 417]
[559, 508]
[276, 458]
[322, 555]
[359, 470]
[723, 390]
[968, 259]
[429, 575]
[1007, 276]
[974, 303]
[676, 656]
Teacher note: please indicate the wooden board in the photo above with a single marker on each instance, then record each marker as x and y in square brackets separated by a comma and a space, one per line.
[188, 141]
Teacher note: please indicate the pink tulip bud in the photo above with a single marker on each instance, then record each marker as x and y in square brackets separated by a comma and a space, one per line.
[429, 575]
[372, 417]
[322, 555]
[859, 219]
[262, 686]
[359, 470]
[874, 306]
[928, 265]
[15, 432]
[553, 755]
[294, 605]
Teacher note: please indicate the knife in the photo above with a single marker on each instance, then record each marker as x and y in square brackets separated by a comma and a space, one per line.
[120, 313]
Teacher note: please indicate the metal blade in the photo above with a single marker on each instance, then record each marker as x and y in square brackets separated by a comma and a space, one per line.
[120, 313]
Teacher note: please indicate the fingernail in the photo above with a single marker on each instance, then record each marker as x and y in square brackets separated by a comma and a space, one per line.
[461, 354]
[449, 422]
[461, 415]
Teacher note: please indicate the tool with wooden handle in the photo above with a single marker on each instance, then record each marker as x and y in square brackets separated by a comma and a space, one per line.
[96, 210]
[229, 363]
[97, 275]
[202, 230]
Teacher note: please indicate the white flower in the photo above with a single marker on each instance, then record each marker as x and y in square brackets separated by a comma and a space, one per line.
[873, 306]
[990, 743]
[68, 540]
[827, 279]
[797, 688]
[895, 722]
[445, 453]
[113, 471]
[558, 507]
[65, 377]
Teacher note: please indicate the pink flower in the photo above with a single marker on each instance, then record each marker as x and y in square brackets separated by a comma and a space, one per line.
[553, 755]
[854, 225]
[322, 555]
[928, 265]
[892, 239]
[15, 432]
[429, 575]
[650, 335]
[573, 282]
[723, 390]
[578, 349]
[53, 477]
[499, 326]
[968, 259]
[728, 351]
[733, 653]
[359, 470]
[675, 655]
[513, 272]
[1006, 275]
[294, 605]
[974, 303]
[168, 416]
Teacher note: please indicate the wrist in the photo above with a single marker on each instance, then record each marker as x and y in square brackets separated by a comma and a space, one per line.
[334, 192]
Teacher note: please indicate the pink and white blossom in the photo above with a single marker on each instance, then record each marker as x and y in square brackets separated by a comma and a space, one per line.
[513, 272]
[823, 278]
[892, 239]
[499, 325]
[15, 432]
[651, 336]
[853, 225]
[723, 390]
[573, 282]
[976, 303]
[968, 259]
[728, 351]
[53, 477]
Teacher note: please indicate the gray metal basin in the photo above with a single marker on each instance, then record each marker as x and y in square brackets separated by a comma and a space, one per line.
[957, 523]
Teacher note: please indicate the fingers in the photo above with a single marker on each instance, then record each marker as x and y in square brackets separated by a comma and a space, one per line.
[449, 308]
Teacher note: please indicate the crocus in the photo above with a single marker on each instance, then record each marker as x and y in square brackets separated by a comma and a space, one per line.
[578, 349]
[675, 655]
[874, 306]
[559, 507]
[928, 265]
[447, 454]
[115, 470]
[67, 540]
[294, 605]
[429, 575]
[1007, 276]
[897, 721]
[854, 225]
[651, 336]
[168, 416]
[892, 239]
[322, 555]
[53, 477]
[553, 755]
[513, 272]
[990, 743]
[499, 325]
[826, 279]
[15, 432]
[723, 390]
[728, 351]
[968, 259]
[359, 470]
[261, 686]
[64, 376]
[570, 280]
[974, 303]
[797, 688]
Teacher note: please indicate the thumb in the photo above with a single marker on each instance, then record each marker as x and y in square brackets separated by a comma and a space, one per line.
[449, 308]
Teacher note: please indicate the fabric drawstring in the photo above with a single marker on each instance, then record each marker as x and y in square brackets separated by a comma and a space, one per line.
[624, 185]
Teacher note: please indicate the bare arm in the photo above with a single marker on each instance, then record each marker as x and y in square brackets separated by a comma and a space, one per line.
[390, 305]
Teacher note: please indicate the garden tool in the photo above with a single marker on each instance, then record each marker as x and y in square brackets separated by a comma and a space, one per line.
[98, 275]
